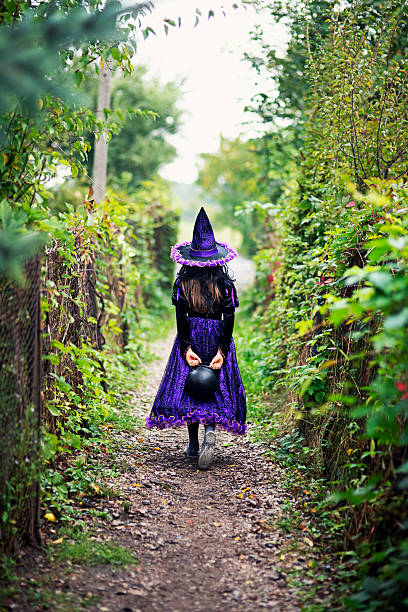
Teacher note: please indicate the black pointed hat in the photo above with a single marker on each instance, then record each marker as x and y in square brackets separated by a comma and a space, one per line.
[203, 250]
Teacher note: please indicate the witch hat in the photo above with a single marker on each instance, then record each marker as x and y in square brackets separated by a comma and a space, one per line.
[202, 250]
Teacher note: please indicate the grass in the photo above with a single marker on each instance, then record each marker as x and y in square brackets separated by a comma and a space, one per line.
[40, 597]
[268, 412]
[80, 548]
[108, 492]
[126, 420]
[104, 515]
[76, 547]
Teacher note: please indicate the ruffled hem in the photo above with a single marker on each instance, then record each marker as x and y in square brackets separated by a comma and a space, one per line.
[201, 416]
[178, 258]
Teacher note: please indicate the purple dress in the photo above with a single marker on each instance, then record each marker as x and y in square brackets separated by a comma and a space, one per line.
[173, 406]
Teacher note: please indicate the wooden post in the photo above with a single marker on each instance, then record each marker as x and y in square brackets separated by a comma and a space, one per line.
[101, 146]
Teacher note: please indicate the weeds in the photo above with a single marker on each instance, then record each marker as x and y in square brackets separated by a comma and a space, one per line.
[80, 547]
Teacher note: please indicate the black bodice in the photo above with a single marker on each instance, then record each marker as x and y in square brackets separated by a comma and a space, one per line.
[224, 310]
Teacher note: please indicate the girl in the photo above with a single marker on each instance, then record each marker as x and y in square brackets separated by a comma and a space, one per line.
[205, 299]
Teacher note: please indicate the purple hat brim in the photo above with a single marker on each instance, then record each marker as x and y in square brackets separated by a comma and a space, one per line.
[201, 262]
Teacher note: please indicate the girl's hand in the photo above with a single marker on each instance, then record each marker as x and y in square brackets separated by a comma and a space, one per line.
[217, 361]
[192, 359]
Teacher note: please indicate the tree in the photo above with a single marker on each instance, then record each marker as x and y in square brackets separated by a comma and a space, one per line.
[307, 24]
[142, 145]
[243, 179]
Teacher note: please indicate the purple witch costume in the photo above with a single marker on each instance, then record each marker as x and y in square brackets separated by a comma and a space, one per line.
[173, 406]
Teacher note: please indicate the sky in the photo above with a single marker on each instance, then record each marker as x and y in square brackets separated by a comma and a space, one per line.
[207, 59]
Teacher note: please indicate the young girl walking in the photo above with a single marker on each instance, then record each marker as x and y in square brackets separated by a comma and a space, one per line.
[205, 299]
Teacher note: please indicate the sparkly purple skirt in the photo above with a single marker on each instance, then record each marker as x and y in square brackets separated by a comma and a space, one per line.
[173, 406]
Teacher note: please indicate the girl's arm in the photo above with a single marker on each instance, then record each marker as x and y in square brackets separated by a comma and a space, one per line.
[183, 330]
[230, 303]
[228, 310]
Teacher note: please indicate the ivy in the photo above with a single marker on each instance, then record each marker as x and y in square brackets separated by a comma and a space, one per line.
[331, 292]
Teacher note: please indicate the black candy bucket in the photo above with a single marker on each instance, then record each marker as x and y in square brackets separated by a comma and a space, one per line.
[202, 382]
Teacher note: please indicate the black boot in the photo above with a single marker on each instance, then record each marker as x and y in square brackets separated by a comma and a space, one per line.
[208, 447]
[191, 451]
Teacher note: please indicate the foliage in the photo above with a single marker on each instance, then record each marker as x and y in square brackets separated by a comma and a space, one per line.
[236, 178]
[229, 176]
[84, 385]
[307, 24]
[17, 243]
[360, 84]
[33, 42]
[142, 145]
[95, 260]
[331, 291]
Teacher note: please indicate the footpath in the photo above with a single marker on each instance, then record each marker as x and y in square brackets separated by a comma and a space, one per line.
[204, 540]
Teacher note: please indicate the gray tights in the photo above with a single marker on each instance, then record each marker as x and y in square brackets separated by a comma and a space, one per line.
[193, 432]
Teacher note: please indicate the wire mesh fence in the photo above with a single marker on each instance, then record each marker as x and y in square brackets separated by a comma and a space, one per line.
[56, 306]
[20, 402]
[51, 359]
[72, 318]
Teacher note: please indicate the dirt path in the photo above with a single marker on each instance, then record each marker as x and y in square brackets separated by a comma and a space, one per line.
[205, 540]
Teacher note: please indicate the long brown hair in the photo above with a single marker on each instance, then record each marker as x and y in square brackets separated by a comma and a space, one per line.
[203, 287]
[194, 294]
